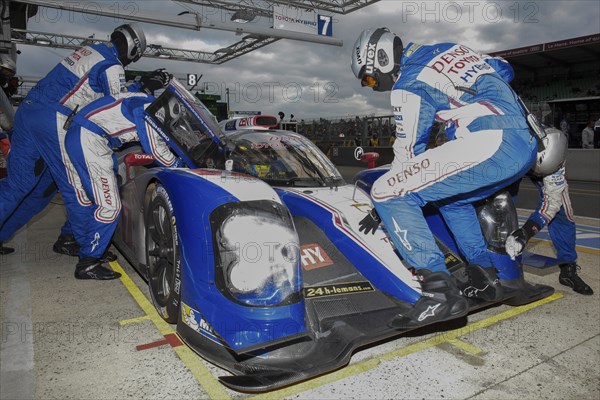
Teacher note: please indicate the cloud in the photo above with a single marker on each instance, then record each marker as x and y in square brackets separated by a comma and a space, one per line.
[311, 80]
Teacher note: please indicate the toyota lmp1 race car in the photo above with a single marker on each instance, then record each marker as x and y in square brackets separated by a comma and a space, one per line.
[254, 251]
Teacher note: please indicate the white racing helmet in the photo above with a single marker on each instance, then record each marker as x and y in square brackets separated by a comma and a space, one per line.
[130, 41]
[376, 58]
[551, 153]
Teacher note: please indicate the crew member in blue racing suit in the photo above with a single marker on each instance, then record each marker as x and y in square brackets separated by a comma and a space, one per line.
[100, 127]
[38, 155]
[490, 148]
[554, 209]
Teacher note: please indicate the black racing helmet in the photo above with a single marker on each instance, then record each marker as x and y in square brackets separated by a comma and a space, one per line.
[130, 42]
[376, 58]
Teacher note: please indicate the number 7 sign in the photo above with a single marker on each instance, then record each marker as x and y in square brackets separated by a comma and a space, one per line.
[325, 25]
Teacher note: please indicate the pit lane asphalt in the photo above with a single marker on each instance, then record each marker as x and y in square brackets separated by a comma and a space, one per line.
[63, 338]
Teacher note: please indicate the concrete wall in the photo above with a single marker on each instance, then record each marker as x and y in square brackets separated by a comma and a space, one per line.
[582, 165]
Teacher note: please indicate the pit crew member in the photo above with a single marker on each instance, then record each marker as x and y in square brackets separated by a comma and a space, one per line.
[554, 209]
[38, 155]
[100, 127]
[490, 148]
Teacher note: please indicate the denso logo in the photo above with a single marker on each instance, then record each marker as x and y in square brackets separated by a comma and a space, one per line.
[408, 171]
[106, 190]
[371, 58]
[454, 60]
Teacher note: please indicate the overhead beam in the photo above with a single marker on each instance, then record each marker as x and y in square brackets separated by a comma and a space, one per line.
[55, 40]
[265, 7]
[237, 49]
[105, 11]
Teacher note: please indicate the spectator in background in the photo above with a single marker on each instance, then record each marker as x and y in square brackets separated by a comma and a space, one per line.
[565, 126]
[587, 136]
[374, 141]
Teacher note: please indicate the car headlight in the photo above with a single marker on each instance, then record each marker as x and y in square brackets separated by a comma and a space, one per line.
[498, 218]
[257, 253]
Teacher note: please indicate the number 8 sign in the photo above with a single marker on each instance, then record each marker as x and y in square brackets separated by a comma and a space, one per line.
[325, 25]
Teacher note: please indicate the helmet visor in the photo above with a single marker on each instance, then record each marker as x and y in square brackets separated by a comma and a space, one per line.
[369, 81]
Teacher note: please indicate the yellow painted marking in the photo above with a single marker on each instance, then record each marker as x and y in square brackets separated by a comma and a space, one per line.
[583, 249]
[371, 363]
[464, 346]
[134, 320]
[208, 382]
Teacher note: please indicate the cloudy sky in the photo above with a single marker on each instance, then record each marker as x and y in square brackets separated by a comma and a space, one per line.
[313, 80]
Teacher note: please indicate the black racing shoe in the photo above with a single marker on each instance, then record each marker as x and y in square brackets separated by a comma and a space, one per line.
[108, 256]
[441, 301]
[66, 244]
[92, 268]
[569, 277]
[518, 292]
[482, 283]
[5, 250]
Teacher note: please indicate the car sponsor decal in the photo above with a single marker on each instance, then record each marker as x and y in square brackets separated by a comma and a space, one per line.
[194, 320]
[337, 289]
[313, 256]
[451, 260]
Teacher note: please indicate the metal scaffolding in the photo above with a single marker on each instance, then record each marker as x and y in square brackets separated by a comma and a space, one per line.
[56, 40]
[254, 35]
[265, 7]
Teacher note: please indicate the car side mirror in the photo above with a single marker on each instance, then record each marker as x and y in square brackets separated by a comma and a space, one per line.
[370, 159]
[136, 159]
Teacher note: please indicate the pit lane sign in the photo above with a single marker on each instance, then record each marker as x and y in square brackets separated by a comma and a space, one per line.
[299, 20]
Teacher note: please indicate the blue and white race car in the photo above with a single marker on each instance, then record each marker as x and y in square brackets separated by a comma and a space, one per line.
[253, 250]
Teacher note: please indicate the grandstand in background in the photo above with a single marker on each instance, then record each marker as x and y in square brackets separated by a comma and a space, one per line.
[557, 78]
[553, 79]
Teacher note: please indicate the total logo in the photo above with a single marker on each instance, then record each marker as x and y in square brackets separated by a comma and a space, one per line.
[143, 157]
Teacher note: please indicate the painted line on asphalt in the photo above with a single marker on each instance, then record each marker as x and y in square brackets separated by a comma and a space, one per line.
[369, 364]
[192, 361]
[170, 339]
[134, 320]
[583, 249]
[464, 346]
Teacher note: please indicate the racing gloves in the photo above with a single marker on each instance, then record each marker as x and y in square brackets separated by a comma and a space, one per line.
[370, 222]
[158, 80]
[516, 241]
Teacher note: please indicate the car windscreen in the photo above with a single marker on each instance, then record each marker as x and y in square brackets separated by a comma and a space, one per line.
[186, 121]
[282, 158]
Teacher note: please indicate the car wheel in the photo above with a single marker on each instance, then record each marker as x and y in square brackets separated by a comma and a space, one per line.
[162, 255]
